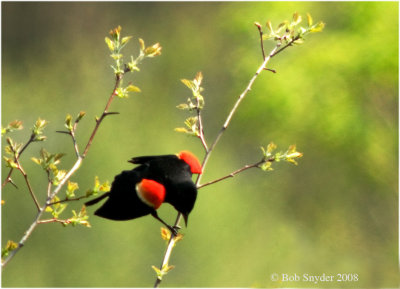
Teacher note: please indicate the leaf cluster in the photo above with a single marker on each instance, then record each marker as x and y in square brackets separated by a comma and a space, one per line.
[49, 162]
[13, 149]
[10, 246]
[290, 155]
[98, 187]
[12, 126]
[194, 103]
[290, 31]
[115, 44]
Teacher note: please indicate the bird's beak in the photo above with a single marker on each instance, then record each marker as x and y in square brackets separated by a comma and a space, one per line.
[185, 217]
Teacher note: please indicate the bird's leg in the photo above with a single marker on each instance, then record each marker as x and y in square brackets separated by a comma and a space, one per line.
[172, 229]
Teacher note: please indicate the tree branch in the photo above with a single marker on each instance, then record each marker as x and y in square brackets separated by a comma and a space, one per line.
[68, 200]
[103, 115]
[28, 184]
[171, 242]
[8, 178]
[231, 175]
[74, 168]
[201, 130]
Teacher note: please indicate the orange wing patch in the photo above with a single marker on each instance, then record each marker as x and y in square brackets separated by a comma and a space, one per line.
[151, 193]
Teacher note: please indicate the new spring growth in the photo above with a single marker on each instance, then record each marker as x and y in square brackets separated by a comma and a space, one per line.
[195, 103]
[290, 31]
[268, 156]
[12, 126]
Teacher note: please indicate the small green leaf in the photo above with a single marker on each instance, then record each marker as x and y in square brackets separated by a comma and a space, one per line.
[309, 20]
[98, 187]
[133, 65]
[10, 163]
[296, 18]
[298, 41]
[183, 106]
[165, 234]
[267, 166]
[132, 88]
[39, 125]
[14, 125]
[37, 161]
[181, 129]
[80, 116]
[269, 26]
[158, 272]
[121, 92]
[153, 50]
[167, 268]
[116, 56]
[68, 122]
[10, 246]
[292, 154]
[318, 27]
[37, 129]
[142, 46]
[110, 44]
[116, 32]
[80, 218]
[71, 188]
[125, 40]
[198, 79]
[57, 208]
[8, 150]
[164, 270]
[188, 83]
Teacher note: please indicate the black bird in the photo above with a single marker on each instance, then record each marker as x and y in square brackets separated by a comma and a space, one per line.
[157, 180]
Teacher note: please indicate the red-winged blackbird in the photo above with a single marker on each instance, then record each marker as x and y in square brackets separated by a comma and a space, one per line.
[158, 179]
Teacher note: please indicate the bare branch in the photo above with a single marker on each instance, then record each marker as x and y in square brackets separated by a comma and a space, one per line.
[53, 221]
[28, 184]
[231, 175]
[261, 39]
[201, 130]
[68, 200]
[103, 115]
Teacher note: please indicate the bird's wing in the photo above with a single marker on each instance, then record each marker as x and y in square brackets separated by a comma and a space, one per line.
[146, 159]
[123, 202]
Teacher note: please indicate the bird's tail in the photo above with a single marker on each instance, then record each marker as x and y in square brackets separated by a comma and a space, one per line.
[98, 199]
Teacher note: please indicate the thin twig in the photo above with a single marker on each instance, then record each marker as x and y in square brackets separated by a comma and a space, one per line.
[53, 221]
[261, 40]
[103, 115]
[28, 184]
[168, 251]
[201, 130]
[72, 133]
[68, 200]
[231, 175]
[290, 43]
[8, 178]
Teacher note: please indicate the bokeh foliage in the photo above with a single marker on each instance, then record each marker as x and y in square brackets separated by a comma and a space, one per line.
[336, 97]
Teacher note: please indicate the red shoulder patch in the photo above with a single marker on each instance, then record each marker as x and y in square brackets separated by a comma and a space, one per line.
[151, 193]
[192, 161]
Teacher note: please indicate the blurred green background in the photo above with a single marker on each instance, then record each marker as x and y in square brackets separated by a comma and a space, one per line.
[335, 97]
